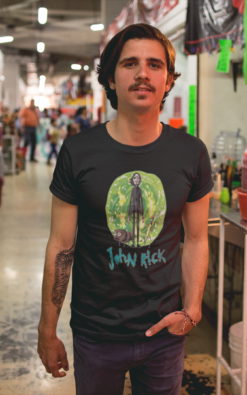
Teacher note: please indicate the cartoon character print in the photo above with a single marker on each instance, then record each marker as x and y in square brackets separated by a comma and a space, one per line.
[122, 236]
[136, 208]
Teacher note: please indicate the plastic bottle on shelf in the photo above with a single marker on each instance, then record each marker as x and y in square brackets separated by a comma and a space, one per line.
[235, 180]
[229, 173]
[215, 165]
[230, 144]
[223, 170]
[244, 172]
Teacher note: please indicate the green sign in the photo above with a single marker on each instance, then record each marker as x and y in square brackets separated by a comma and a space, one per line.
[224, 56]
[192, 110]
[245, 40]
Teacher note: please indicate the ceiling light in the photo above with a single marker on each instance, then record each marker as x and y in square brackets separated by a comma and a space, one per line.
[76, 67]
[42, 15]
[97, 26]
[40, 47]
[86, 67]
[2, 78]
[42, 79]
[6, 39]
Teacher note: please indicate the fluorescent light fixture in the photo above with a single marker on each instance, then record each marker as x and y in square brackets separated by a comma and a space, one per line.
[40, 47]
[6, 39]
[86, 67]
[42, 15]
[76, 66]
[42, 79]
[97, 26]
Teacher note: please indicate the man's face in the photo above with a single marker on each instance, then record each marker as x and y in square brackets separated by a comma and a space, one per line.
[32, 103]
[136, 179]
[141, 75]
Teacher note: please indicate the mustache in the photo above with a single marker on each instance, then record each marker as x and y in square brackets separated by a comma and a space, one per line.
[137, 84]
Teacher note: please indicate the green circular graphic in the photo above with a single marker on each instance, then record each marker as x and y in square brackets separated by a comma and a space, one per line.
[151, 209]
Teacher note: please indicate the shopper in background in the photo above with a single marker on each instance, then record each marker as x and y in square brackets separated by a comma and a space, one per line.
[81, 119]
[62, 119]
[127, 312]
[53, 136]
[62, 123]
[45, 123]
[29, 121]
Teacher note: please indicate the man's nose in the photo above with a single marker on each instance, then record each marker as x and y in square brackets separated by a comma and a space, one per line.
[142, 73]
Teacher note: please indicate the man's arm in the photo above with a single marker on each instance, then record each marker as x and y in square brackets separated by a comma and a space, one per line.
[58, 262]
[194, 267]
[195, 255]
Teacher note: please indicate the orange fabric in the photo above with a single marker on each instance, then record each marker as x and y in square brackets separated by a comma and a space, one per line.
[239, 4]
[176, 122]
[29, 117]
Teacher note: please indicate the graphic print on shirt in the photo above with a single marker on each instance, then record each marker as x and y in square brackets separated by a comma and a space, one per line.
[136, 208]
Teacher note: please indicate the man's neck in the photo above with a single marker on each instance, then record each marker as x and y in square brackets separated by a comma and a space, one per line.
[135, 129]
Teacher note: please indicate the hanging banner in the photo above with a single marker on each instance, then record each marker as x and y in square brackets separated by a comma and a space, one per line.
[208, 21]
[138, 11]
[192, 110]
[223, 64]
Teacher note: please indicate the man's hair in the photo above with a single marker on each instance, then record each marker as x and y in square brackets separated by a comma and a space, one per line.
[112, 51]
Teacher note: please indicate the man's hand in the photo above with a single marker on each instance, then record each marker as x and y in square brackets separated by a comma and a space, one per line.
[174, 324]
[53, 355]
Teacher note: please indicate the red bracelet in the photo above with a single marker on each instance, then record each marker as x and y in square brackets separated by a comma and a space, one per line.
[184, 312]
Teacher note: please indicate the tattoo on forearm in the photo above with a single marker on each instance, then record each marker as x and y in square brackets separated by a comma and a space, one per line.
[64, 260]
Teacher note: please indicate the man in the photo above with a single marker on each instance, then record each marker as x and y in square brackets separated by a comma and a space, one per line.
[126, 306]
[29, 119]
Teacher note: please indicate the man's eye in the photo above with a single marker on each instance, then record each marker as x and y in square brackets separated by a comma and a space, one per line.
[129, 64]
[155, 65]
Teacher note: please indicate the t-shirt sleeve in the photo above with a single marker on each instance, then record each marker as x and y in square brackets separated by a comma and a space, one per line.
[203, 182]
[63, 184]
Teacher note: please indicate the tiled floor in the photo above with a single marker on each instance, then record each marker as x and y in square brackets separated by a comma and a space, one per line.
[24, 231]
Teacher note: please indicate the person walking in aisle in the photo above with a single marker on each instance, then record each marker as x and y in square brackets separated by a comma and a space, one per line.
[127, 313]
[81, 119]
[53, 134]
[29, 119]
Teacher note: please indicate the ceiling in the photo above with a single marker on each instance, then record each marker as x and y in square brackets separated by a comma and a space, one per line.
[67, 34]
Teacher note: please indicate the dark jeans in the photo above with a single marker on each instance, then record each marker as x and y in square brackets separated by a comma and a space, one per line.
[155, 364]
[53, 151]
[30, 138]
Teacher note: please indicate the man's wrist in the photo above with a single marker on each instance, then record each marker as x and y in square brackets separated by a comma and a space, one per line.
[47, 330]
[194, 312]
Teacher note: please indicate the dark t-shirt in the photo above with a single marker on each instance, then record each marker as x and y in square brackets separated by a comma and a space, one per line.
[119, 291]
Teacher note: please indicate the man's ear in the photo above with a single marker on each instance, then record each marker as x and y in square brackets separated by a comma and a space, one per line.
[111, 83]
[168, 82]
